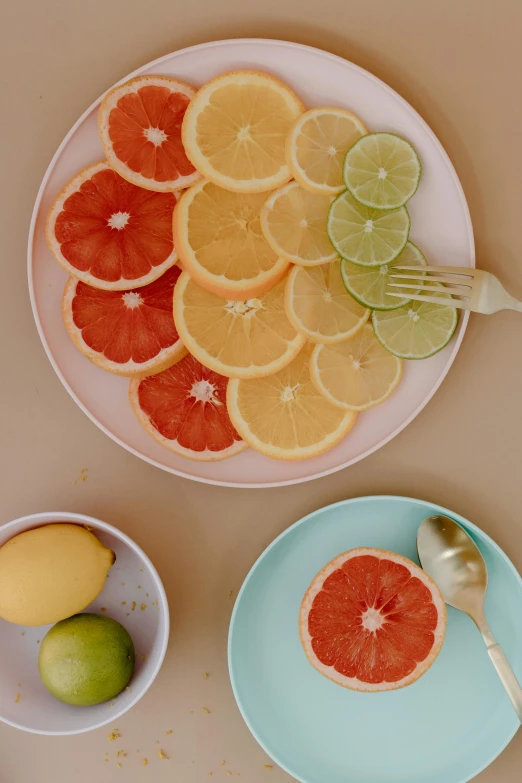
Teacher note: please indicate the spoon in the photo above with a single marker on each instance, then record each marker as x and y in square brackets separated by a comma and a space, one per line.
[453, 560]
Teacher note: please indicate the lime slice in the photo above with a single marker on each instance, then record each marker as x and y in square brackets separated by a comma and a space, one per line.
[382, 171]
[417, 330]
[368, 286]
[368, 237]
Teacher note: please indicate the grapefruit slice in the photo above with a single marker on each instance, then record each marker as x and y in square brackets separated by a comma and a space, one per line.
[111, 234]
[128, 333]
[140, 128]
[372, 620]
[184, 408]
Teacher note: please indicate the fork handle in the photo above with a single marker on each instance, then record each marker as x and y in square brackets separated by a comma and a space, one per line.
[507, 677]
[513, 304]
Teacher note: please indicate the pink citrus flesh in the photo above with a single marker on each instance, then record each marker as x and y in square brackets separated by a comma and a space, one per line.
[110, 233]
[184, 408]
[125, 332]
[372, 620]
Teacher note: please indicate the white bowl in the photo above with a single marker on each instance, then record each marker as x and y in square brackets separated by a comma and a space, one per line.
[131, 578]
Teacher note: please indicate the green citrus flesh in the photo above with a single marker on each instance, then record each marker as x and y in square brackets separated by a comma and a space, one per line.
[368, 237]
[368, 285]
[86, 659]
[382, 170]
[416, 330]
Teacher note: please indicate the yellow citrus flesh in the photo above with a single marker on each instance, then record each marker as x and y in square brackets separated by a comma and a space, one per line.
[283, 416]
[238, 339]
[294, 224]
[50, 573]
[356, 374]
[319, 306]
[234, 130]
[317, 145]
[220, 242]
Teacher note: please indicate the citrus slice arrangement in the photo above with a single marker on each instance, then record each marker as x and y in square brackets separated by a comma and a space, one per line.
[372, 620]
[231, 224]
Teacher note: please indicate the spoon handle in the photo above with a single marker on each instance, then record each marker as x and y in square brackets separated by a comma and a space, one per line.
[507, 676]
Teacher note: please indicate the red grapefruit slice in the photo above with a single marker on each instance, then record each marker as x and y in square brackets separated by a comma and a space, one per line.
[372, 621]
[125, 332]
[184, 409]
[111, 234]
[140, 128]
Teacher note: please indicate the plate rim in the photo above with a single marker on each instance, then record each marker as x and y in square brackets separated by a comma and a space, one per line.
[36, 210]
[466, 523]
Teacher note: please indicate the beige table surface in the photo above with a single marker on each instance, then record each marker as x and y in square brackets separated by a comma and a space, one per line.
[458, 62]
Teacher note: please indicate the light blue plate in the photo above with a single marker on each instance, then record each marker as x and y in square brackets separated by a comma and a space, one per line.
[445, 728]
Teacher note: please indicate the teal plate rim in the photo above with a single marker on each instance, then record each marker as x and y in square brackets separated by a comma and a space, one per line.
[347, 502]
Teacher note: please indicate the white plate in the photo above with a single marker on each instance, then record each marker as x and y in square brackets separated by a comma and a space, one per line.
[441, 226]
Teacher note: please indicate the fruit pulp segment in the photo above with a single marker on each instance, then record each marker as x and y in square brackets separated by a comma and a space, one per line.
[373, 620]
[145, 131]
[127, 325]
[115, 229]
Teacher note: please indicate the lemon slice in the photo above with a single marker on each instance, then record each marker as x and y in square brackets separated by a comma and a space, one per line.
[417, 330]
[382, 171]
[284, 416]
[234, 130]
[368, 285]
[356, 374]
[294, 224]
[238, 339]
[369, 237]
[319, 306]
[317, 145]
[219, 240]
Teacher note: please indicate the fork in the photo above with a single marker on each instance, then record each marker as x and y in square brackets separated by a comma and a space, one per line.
[476, 290]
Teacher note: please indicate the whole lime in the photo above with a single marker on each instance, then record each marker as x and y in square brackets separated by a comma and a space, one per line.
[86, 659]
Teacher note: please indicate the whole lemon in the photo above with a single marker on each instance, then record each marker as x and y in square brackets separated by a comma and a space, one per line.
[86, 659]
[50, 573]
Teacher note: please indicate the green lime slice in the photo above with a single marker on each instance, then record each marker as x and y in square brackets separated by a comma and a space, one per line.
[382, 171]
[368, 237]
[368, 285]
[417, 330]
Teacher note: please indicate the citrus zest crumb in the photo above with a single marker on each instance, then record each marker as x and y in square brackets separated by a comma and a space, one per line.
[139, 587]
[228, 772]
[18, 697]
[128, 614]
[206, 675]
[106, 761]
[114, 735]
[169, 731]
[118, 765]
[23, 633]
[223, 763]
[268, 766]
[143, 657]
[162, 754]
[205, 709]
[124, 603]
[230, 593]
[143, 606]
[144, 762]
[133, 607]
[103, 609]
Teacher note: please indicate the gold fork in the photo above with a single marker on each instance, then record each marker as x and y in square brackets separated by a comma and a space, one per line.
[470, 289]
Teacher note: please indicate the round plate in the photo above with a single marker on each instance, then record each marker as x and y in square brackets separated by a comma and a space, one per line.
[445, 728]
[440, 221]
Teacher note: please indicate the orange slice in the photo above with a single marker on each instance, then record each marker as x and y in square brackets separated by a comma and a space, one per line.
[239, 339]
[284, 416]
[218, 236]
[235, 130]
[140, 128]
[125, 332]
[109, 233]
